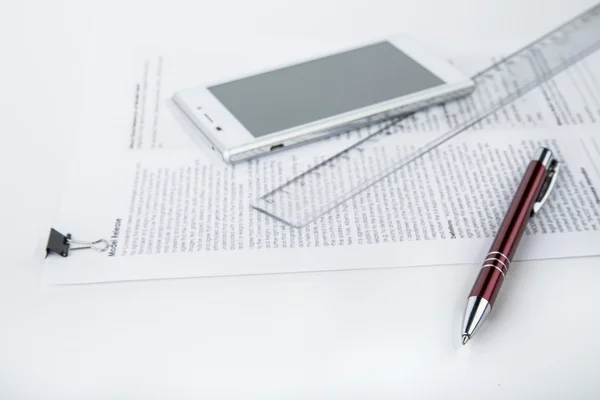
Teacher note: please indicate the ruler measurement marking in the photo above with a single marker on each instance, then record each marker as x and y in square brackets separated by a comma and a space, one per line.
[508, 79]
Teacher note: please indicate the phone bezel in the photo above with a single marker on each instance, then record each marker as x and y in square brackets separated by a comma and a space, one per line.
[229, 136]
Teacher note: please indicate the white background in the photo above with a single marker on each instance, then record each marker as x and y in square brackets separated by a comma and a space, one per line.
[390, 333]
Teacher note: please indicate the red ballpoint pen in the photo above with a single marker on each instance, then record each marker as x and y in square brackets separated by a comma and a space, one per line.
[533, 191]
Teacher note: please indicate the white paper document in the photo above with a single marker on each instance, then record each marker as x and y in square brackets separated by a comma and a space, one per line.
[168, 213]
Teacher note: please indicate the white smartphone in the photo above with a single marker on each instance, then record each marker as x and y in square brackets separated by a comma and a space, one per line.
[274, 110]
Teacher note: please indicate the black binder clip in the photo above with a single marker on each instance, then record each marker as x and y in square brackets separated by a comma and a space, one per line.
[61, 244]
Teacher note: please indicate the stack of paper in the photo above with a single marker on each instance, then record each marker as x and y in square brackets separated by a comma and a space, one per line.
[169, 211]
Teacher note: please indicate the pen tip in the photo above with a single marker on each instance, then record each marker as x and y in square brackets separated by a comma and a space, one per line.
[465, 339]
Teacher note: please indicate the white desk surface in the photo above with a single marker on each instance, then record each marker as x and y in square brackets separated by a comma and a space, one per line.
[364, 334]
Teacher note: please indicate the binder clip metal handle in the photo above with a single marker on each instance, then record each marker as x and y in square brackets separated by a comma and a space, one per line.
[99, 245]
[61, 244]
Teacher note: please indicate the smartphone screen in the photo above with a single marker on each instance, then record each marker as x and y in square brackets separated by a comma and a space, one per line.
[296, 95]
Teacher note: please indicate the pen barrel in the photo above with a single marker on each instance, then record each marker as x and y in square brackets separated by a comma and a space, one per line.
[497, 262]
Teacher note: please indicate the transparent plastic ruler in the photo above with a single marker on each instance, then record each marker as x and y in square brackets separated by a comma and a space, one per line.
[339, 178]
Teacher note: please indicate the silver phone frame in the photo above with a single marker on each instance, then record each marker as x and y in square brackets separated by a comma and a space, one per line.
[194, 103]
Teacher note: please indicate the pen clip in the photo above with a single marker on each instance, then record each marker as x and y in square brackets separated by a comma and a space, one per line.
[547, 187]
